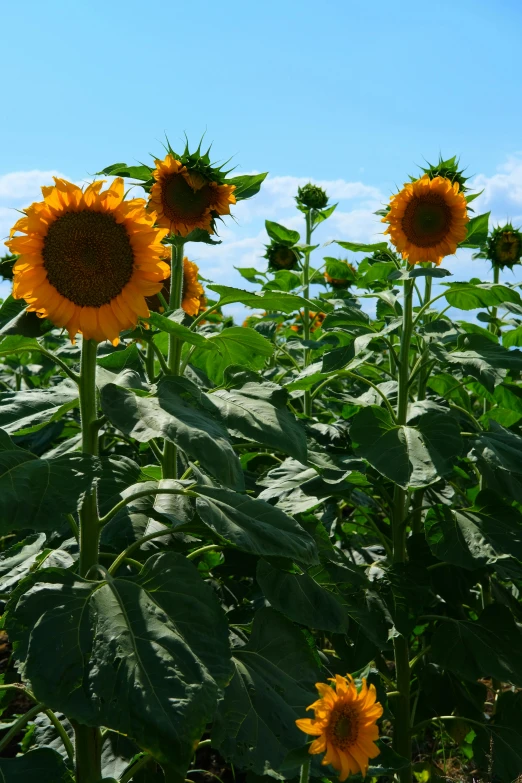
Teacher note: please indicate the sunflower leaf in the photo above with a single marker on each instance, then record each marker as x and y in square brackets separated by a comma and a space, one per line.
[246, 185]
[477, 231]
[183, 333]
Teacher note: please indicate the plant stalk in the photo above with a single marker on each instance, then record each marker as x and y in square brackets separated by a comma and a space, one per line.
[88, 739]
[306, 310]
[170, 452]
[416, 523]
[401, 732]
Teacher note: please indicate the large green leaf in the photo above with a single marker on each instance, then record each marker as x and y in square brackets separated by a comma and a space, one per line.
[410, 456]
[279, 233]
[498, 746]
[359, 247]
[169, 415]
[237, 345]
[142, 172]
[477, 231]
[488, 647]
[42, 765]
[170, 326]
[474, 363]
[246, 185]
[16, 561]
[253, 525]
[263, 300]
[499, 449]
[17, 344]
[34, 493]
[472, 295]
[490, 533]
[258, 412]
[27, 411]
[302, 599]
[272, 686]
[139, 655]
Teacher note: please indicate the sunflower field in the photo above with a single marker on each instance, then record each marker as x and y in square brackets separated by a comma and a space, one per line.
[283, 549]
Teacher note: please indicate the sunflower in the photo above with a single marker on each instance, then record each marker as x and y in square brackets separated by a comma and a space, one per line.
[186, 199]
[341, 282]
[316, 321]
[504, 246]
[282, 256]
[427, 219]
[193, 299]
[87, 259]
[345, 725]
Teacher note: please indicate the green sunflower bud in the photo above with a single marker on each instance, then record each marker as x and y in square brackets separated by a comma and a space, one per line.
[312, 196]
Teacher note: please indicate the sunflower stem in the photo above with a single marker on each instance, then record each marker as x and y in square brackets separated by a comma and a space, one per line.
[170, 451]
[416, 524]
[401, 732]
[88, 739]
[306, 311]
[305, 772]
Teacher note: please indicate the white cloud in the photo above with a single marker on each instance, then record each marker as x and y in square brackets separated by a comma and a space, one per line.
[24, 185]
[502, 192]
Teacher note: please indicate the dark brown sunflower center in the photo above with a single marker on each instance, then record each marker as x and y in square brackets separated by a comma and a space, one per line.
[343, 727]
[284, 258]
[88, 257]
[508, 248]
[180, 200]
[426, 220]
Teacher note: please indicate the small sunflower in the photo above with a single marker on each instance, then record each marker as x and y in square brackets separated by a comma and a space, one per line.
[345, 725]
[281, 256]
[427, 219]
[316, 321]
[504, 246]
[87, 259]
[186, 199]
[344, 273]
[193, 299]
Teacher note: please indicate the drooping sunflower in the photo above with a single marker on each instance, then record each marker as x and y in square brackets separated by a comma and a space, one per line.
[186, 199]
[427, 219]
[503, 246]
[345, 725]
[87, 259]
[343, 273]
[193, 299]
[282, 256]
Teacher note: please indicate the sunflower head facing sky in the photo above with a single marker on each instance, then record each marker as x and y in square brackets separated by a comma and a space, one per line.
[344, 725]
[87, 259]
[428, 219]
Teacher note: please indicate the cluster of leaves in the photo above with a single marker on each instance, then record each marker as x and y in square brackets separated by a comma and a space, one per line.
[225, 594]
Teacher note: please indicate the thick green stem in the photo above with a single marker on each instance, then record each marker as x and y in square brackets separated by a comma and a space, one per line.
[88, 739]
[416, 523]
[170, 452]
[401, 732]
[306, 311]
[149, 362]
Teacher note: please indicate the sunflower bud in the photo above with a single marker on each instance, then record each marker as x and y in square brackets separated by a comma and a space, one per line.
[312, 196]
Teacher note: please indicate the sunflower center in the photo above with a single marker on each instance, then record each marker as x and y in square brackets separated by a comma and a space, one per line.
[284, 258]
[88, 257]
[343, 728]
[426, 220]
[508, 248]
[180, 200]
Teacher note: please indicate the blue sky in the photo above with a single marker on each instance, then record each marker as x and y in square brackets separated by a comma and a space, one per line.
[348, 92]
